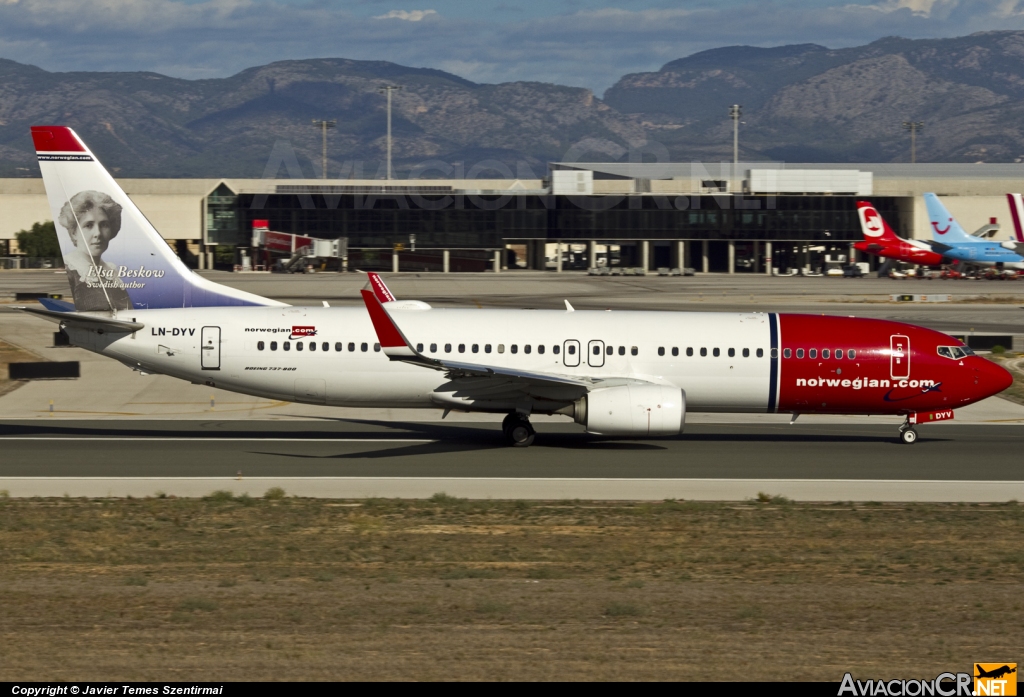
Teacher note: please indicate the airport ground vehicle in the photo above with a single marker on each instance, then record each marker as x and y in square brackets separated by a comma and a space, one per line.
[632, 374]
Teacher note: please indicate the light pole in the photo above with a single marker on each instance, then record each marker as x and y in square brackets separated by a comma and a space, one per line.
[735, 111]
[324, 125]
[388, 89]
[913, 127]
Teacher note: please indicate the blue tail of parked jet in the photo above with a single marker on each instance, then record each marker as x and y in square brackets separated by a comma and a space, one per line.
[945, 229]
[115, 258]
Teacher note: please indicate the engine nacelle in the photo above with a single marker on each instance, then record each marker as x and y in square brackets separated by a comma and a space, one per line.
[633, 410]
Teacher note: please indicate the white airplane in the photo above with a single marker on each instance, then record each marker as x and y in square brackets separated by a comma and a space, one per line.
[633, 374]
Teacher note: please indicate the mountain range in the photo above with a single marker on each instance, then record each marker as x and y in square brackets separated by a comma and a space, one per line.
[803, 103]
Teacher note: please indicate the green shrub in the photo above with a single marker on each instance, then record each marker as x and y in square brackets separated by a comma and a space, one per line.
[274, 493]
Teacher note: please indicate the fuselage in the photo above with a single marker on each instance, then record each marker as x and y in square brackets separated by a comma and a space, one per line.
[911, 252]
[982, 254]
[725, 362]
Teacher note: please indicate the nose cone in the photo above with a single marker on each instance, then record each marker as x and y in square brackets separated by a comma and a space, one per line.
[991, 378]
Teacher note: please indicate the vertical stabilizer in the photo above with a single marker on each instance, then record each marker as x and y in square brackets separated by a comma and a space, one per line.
[873, 225]
[945, 229]
[115, 258]
[1017, 215]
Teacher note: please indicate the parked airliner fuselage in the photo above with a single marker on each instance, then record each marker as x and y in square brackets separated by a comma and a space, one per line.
[723, 362]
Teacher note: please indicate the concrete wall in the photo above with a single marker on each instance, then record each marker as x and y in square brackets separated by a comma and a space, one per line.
[175, 207]
[970, 211]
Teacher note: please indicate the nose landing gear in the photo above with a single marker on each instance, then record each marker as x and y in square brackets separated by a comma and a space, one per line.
[518, 431]
[907, 433]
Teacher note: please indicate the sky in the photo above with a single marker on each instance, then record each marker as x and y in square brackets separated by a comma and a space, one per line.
[584, 43]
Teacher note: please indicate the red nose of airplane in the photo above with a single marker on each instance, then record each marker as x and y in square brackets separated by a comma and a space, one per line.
[990, 378]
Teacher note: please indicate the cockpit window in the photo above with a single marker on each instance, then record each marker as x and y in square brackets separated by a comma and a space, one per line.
[954, 352]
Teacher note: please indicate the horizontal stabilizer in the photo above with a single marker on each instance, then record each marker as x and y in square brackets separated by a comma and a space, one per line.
[57, 305]
[85, 321]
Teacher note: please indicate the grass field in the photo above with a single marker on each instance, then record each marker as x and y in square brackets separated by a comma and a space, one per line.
[282, 588]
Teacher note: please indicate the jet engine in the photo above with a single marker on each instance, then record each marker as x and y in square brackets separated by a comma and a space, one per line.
[632, 410]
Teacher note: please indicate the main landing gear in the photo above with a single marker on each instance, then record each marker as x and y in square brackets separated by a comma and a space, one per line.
[907, 433]
[518, 431]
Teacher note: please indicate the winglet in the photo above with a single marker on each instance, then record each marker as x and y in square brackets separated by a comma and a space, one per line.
[1017, 213]
[392, 341]
[568, 307]
[380, 289]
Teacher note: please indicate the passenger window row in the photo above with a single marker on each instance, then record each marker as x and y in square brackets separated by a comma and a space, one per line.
[488, 348]
[325, 346]
[825, 353]
[716, 352]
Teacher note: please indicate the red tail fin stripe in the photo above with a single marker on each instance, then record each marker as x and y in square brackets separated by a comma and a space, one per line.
[387, 333]
[1015, 213]
[56, 139]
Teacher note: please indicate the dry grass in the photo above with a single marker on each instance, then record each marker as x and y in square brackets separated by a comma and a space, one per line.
[9, 353]
[237, 589]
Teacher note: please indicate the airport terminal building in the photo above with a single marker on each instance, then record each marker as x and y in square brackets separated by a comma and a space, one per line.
[745, 218]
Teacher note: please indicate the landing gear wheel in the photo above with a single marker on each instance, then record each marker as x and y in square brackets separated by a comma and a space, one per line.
[908, 435]
[518, 431]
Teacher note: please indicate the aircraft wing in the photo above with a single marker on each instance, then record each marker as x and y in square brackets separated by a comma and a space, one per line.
[481, 380]
[85, 321]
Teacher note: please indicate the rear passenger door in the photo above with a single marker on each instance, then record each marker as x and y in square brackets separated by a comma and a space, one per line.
[595, 354]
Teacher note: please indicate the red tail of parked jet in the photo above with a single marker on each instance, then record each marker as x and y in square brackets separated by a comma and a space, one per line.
[880, 240]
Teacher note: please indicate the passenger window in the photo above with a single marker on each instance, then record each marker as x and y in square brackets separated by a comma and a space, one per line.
[609, 350]
[824, 353]
[555, 349]
[376, 347]
[689, 350]
[716, 353]
[812, 353]
[514, 348]
[760, 353]
[433, 348]
[351, 346]
[732, 353]
[286, 345]
[703, 352]
[462, 348]
[799, 353]
[273, 345]
[447, 348]
[746, 353]
[572, 349]
[501, 348]
[661, 351]
[786, 353]
[419, 348]
[597, 350]
[675, 350]
[363, 347]
[540, 348]
[260, 345]
[839, 353]
[312, 346]
[851, 354]
[633, 351]
[337, 346]
[298, 345]
[622, 350]
[325, 346]
[526, 349]
[476, 348]
[487, 348]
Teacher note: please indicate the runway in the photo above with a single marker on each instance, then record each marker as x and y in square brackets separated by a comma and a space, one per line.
[347, 459]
